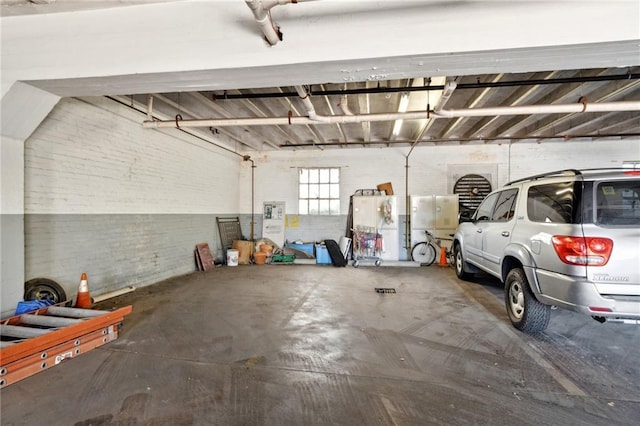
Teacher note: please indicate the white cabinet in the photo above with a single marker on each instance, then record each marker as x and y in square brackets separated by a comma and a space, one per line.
[436, 213]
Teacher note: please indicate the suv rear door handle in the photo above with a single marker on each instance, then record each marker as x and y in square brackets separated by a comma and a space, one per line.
[505, 233]
[479, 230]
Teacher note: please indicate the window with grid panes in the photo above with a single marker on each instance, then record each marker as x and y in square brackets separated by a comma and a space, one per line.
[319, 191]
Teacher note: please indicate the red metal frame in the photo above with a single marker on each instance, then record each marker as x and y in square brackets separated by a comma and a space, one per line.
[23, 358]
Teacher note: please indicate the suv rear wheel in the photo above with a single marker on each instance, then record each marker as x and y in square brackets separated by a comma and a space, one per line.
[525, 312]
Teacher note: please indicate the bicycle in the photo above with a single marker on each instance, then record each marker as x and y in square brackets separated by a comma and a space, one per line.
[425, 251]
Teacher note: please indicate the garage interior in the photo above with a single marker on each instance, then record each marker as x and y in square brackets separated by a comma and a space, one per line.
[129, 127]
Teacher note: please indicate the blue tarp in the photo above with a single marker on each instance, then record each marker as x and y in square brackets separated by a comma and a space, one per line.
[32, 305]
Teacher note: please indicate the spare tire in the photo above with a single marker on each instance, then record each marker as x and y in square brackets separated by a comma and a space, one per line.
[44, 289]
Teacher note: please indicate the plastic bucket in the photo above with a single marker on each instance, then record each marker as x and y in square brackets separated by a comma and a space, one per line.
[232, 257]
[259, 257]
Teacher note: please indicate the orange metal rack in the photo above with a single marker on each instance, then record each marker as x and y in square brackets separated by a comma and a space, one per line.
[42, 339]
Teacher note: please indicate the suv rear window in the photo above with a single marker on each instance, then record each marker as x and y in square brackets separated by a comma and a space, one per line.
[554, 202]
[618, 203]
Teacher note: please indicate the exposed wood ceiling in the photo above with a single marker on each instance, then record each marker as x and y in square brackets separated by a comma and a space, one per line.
[472, 92]
[584, 87]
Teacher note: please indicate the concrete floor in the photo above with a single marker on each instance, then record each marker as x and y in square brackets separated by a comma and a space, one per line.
[316, 345]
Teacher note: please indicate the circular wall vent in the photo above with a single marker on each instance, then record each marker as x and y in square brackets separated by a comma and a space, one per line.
[471, 190]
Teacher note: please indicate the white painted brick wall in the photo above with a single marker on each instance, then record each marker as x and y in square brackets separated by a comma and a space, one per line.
[98, 159]
[429, 167]
[276, 172]
[124, 204]
[127, 205]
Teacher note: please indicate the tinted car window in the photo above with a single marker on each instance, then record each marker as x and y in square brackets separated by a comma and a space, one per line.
[554, 202]
[618, 203]
[505, 206]
[486, 207]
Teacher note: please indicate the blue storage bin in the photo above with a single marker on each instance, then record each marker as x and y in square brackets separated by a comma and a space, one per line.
[305, 247]
[322, 255]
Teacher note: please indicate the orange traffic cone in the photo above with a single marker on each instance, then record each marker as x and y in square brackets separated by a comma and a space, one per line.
[84, 298]
[443, 257]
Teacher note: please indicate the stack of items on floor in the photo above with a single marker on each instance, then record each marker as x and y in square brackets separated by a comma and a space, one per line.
[327, 252]
[264, 252]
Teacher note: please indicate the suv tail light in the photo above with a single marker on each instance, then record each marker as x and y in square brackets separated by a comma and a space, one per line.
[588, 251]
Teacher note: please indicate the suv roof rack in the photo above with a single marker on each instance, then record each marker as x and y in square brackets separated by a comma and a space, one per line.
[567, 172]
[573, 172]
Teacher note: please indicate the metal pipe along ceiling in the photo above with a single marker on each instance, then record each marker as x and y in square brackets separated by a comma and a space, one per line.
[478, 85]
[314, 118]
[262, 13]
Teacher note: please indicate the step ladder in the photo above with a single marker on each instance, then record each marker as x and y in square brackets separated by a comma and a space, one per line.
[38, 340]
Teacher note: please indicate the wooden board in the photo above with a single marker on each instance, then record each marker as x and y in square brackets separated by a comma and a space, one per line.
[206, 260]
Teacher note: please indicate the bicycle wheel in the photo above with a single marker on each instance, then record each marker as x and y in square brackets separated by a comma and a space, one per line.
[423, 252]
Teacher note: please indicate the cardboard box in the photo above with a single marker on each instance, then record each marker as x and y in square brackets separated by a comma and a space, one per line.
[245, 250]
[386, 187]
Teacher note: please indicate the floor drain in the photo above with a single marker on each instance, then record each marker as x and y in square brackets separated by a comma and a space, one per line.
[385, 290]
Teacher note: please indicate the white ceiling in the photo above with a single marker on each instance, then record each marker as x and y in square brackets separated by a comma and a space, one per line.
[371, 52]
[29, 7]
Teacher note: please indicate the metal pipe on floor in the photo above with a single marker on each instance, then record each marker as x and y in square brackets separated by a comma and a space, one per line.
[112, 294]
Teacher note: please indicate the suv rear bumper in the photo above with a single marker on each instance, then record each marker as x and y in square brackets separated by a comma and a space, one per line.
[581, 295]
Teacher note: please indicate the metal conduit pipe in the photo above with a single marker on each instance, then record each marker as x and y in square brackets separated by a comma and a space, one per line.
[314, 118]
[478, 139]
[479, 85]
[447, 91]
[262, 12]
[253, 194]
[344, 106]
[542, 109]
[311, 111]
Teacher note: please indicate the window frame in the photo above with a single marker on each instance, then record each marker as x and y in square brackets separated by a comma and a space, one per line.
[319, 191]
[566, 209]
[490, 200]
[509, 196]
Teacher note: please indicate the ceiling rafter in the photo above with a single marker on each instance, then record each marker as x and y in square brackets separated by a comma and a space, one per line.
[332, 112]
[518, 97]
[629, 124]
[256, 118]
[570, 92]
[405, 83]
[225, 142]
[364, 106]
[473, 101]
[209, 103]
[193, 114]
[252, 106]
[601, 95]
[311, 129]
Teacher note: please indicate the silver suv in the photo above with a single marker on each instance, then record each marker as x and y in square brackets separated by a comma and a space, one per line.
[568, 238]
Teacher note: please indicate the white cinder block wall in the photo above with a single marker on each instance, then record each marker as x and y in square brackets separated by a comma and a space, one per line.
[430, 172]
[124, 204]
